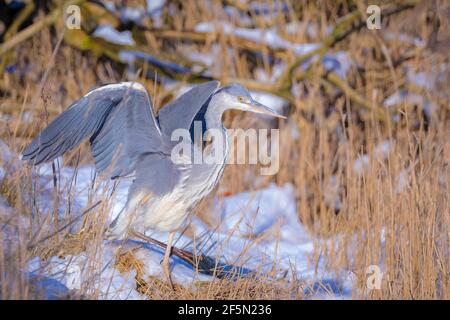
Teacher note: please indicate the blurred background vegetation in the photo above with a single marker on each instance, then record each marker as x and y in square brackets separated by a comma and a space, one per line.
[366, 144]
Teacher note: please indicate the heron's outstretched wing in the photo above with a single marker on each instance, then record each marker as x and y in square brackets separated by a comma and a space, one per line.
[119, 121]
[180, 113]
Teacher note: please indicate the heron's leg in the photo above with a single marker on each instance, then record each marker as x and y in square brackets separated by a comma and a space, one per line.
[168, 250]
[183, 254]
[165, 262]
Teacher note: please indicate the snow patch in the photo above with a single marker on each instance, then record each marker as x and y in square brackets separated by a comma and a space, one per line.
[110, 34]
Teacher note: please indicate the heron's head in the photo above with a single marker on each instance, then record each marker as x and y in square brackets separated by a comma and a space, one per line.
[236, 96]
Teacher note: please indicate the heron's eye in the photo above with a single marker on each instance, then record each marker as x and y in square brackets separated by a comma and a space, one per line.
[241, 99]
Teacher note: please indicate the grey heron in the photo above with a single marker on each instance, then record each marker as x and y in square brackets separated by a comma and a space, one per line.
[126, 138]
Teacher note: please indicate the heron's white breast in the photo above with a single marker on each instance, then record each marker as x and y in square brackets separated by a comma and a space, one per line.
[170, 211]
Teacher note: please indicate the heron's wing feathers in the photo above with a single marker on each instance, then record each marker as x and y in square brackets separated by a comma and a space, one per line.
[180, 113]
[156, 174]
[118, 119]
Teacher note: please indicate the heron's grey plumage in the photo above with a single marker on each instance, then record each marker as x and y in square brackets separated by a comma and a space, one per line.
[180, 113]
[117, 119]
[126, 138]
[156, 174]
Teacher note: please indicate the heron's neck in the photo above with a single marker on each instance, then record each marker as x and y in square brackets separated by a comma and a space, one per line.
[213, 120]
[213, 115]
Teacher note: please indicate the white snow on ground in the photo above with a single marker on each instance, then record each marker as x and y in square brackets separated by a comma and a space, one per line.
[424, 80]
[404, 38]
[253, 213]
[81, 273]
[155, 5]
[380, 152]
[263, 76]
[208, 58]
[294, 27]
[110, 34]
[137, 14]
[129, 14]
[269, 216]
[405, 97]
[269, 37]
[5, 158]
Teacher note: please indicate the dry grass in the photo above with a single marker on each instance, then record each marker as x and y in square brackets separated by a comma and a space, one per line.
[406, 229]
[244, 288]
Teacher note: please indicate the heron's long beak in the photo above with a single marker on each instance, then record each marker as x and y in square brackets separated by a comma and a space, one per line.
[258, 107]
